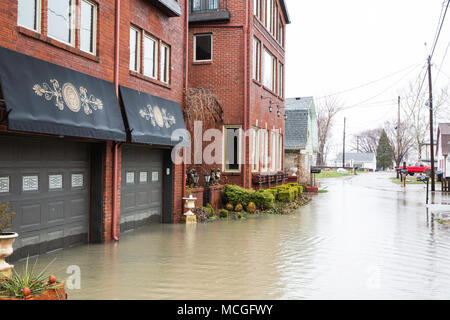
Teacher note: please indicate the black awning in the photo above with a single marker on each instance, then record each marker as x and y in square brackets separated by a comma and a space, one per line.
[151, 119]
[46, 98]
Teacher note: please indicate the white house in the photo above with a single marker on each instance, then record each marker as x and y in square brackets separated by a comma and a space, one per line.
[443, 148]
[367, 161]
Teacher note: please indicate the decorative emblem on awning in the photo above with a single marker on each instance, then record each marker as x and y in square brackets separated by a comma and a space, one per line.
[157, 117]
[68, 95]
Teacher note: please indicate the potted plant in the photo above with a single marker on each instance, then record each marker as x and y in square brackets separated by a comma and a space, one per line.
[6, 238]
[31, 285]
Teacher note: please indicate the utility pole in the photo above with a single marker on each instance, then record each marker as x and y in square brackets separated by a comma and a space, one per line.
[343, 148]
[398, 137]
[433, 187]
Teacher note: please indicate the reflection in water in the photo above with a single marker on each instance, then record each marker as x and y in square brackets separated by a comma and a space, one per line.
[364, 239]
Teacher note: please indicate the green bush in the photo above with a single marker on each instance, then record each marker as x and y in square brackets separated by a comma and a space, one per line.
[287, 195]
[211, 209]
[238, 208]
[229, 207]
[223, 213]
[251, 207]
[238, 195]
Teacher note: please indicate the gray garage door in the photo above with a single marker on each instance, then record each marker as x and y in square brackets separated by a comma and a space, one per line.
[46, 182]
[141, 200]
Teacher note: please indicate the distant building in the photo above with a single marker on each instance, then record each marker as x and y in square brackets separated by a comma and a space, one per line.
[302, 142]
[359, 160]
[443, 148]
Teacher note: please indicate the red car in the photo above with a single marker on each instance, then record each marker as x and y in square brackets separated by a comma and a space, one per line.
[418, 167]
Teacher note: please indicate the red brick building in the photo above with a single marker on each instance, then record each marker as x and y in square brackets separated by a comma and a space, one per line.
[236, 50]
[90, 92]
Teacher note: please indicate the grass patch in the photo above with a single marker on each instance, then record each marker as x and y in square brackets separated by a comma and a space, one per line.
[443, 222]
[331, 174]
[323, 191]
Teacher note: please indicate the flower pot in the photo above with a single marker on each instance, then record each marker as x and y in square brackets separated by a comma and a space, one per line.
[53, 294]
[6, 249]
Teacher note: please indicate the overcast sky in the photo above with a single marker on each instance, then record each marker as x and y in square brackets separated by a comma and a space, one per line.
[335, 45]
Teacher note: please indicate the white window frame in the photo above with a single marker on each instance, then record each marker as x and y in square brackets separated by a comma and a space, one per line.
[195, 46]
[273, 151]
[38, 17]
[269, 18]
[273, 66]
[138, 50]
[256, 141]
[155, 58]
[94, 27]
[167, 60]
[257, 59]
[280, 152]
[72, 25]
[224, 132]
[280, 78]
[265, 150]
[257, 9]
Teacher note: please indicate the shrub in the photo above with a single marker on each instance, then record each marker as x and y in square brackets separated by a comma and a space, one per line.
[264, 200]
[238, 208]
[229, 207]
[203, 214]
[5, 217]
[211, 209]
[251, 207]
[223, 213]
[287, 195]
[237, 195]
[274, 192]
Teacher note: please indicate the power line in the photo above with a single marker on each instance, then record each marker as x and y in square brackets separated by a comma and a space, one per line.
[368, 83]
[442, 63]
[440, 29]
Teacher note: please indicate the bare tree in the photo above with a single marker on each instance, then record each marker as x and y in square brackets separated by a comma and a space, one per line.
[366, 141]
[416, 111]
[407, 140]
[326, 112]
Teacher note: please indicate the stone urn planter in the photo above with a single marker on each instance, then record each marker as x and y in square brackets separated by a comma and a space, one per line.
[6, 249]
[190, 205]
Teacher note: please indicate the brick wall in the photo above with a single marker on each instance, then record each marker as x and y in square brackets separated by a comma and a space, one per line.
[140, 13]
[225, 77]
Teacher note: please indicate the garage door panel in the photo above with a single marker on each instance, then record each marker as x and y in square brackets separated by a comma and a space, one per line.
[41, 192]
[142, 195]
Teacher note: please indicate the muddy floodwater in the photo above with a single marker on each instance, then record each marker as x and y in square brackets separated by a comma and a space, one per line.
[365, 239]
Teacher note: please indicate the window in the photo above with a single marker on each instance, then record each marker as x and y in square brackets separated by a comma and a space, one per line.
[265, 150]
[232, 148]
[257, 8]
[88, 30]
[203, 47]
[268, 70]
[280, 79]
[150, 57]
[273, 150]
[199, 5]
[269, 17]
[28, 14]
[280, 153]
[164, 63]
[280, 31]
[60, 22]
[256, 59]
[134, 49]
[255, 150]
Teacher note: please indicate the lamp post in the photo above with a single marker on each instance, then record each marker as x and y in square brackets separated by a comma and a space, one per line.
[206, 195]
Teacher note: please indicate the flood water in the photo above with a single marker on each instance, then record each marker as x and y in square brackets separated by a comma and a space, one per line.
[365, 239]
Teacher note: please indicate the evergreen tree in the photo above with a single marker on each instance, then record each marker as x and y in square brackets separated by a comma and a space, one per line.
[385, 153]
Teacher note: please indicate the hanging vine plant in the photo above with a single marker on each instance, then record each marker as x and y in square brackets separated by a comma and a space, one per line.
[202, 105]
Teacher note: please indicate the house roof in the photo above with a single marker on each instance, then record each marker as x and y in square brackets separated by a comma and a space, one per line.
[358, 157]
[296, 124]
[299, 103]
[285, 11]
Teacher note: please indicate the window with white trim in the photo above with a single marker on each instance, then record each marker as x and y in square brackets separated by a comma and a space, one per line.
[60, 20]
[280, 31]
[273, 150]
[257, 8]
[203, 47]
[256, 59]
[232, 148]
[268, 70]
[269, 15]
[150, 57]
[164, 63]
[255, 149]
[29, 14]
[135, 40]
[88, 27]
[280, 89]
[280, 152]
[265, 150]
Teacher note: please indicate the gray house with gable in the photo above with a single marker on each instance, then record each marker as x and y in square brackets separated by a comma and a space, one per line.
[301, 136]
